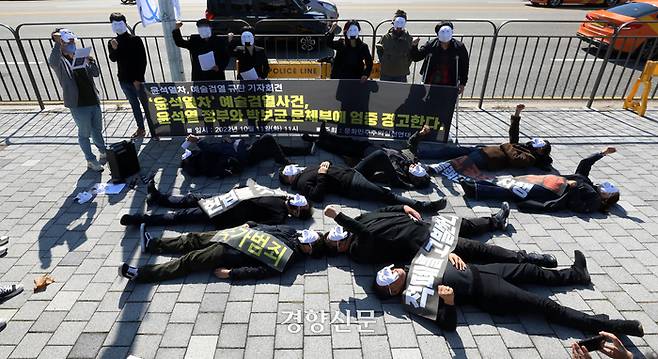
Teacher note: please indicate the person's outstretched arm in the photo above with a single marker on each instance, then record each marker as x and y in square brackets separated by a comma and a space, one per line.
[585, 165]
[515, 123]
[178, 38]
[417, 54]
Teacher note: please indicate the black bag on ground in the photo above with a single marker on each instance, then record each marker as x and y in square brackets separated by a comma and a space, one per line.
[122, 161]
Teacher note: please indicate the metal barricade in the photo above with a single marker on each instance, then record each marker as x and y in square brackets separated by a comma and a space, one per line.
[16, 72]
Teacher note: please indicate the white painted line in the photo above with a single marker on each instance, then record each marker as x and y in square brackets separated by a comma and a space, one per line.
[20, 63]
[574, 60]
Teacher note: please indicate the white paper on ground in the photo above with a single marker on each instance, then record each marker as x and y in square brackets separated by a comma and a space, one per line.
[108, 188]
[249, 74]
[207, 61]
[187, 154]
[83, 197]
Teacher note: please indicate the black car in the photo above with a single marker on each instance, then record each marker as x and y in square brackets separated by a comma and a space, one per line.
[302, 25]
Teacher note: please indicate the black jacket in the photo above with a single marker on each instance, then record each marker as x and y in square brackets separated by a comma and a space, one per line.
[130, 57]
[315, 186]
[439, 67]
[216, 159]
[244, 267]
[198, 46]
[387, 235]
[349, 62]
[583, 198]
[247, 61]
[264, 210]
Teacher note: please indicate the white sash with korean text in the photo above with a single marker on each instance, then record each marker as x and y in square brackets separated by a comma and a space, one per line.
[426, 272]
[219, 204]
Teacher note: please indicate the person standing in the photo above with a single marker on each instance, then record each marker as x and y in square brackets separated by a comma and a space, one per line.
[80, 94]
[251, 58]
[353, 59]
[127, 50]
[394, 49]
[201, 44]
[445, 58]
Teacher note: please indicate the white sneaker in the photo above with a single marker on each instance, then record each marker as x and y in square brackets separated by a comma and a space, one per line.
[4, 240]
[9, 291]
[3, 251]
[94, 166]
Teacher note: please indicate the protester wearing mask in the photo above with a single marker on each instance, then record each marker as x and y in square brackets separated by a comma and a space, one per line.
[496, 288]
[551, 193]
[352, 59]
[442, 56]
[265, 209]
[80, 94]
[203, 43]
[127, 50]
[534, 153]
[250, 57]
[315, 182]
[219, 252]
[394, 50]
[397, 168]
[395, 234]
[228, 157]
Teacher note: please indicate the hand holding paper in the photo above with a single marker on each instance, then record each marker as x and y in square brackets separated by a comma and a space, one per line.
[207, 61]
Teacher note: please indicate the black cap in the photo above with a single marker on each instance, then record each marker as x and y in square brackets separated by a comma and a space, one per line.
[202, 22]
[117, 16]
[442, 24]
[400, 13]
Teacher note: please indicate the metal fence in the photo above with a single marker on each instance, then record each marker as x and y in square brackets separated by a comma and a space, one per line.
[507, 61]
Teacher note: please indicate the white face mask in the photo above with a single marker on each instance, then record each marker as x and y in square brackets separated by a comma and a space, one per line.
[291, 170]
[399, 23]
[445, 33]
[247, 38]
[204, 31]
[353, 32]
[417, 170]
[119, 27]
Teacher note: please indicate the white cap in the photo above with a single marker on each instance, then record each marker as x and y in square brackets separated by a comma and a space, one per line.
[66, 35]
[298, 201]
[337, 234]
[247, 37]
[308, 236]
[399, 22]
[538, 142]
[291, 170]
[386, 276]
[418, 170]
[445, 33]
[352, 31]
[607, 187]
[187, 154]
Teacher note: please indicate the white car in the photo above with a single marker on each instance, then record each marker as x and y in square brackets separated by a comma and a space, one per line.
[323, 6]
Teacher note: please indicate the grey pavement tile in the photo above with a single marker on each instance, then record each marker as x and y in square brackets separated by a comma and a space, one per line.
[31, 345]
[265, 303]
[31, 310]
[87, 345]
[401, 335]
[317, 347]
[153, 323]
[121, 334]
[288, 338]
[222, 353]
[377, 347]
[237, 312]
[208, 324]
[14, 332]
[406, 353]
[212, 302]
[232, 336]
[492, 346]
[288, 354]
[55, 352]
[184, 313]
[177, 335]
[82, 311]
[101, 322]
[170, 353]
[48, 322]
[113, 352]
[262, 324]
[259, 347]
[67, 333]
[145, 346]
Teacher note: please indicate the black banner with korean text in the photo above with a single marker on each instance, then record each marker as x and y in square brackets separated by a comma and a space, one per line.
[426, 271]
[348, 107]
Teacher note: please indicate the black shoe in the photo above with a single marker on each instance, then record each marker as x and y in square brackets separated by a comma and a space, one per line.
[542, 260]
[627, 327]
[151, 187]
[434, 206]
[500, 218]
[127, 271]
[153, 196]
[130, 220]
[580, 267]
[145, 238]
[469, 188]
[323, 128]
[9, 291]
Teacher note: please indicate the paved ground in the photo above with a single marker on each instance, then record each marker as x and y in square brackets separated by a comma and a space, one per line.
[91, 312]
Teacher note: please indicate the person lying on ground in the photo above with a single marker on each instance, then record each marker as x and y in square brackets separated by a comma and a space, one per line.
[535, 153]
[315, 182]
[495, 289]
[265, 208]
[396, 168]
[230, 157]
[396, 233]
[548, 193]
[250, 251]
